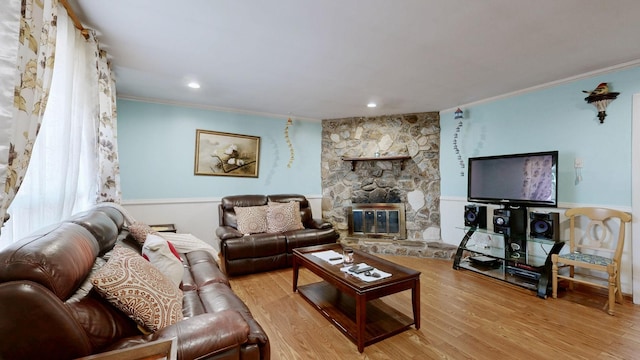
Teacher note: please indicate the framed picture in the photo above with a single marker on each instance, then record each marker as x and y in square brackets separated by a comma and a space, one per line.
[164, 227]
[225, 154]
[154, 350]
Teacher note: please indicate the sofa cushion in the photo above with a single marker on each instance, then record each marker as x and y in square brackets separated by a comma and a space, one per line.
[202, 270]
[140, 290]
[102, 322]
[283, 217]
[219, 297]
[158, 251]
[101, 226]
[255, 246]
[58, 257]
[251, 219]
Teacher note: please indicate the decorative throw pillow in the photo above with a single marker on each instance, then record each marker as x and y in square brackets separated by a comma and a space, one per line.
[139, 289]
[158, 251]
[251, 219]
[284, 217]
[139, 231]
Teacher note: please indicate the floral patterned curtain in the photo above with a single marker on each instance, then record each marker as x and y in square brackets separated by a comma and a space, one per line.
[27, 61]
[538, 180]
[108, 165]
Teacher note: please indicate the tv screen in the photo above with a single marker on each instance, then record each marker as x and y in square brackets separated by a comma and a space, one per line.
[529, 179]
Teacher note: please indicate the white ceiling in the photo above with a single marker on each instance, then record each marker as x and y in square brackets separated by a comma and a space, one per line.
[328, 58]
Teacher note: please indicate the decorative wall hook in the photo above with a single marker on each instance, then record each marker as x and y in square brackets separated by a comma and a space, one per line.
[289, 144]
[458, 116]
[600, 97]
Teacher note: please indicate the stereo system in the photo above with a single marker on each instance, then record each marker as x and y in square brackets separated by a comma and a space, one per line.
[512, 222]
[475, 216]
[544, 225]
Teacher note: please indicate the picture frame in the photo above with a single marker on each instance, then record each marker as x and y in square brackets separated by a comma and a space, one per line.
[226, 154]
[164, 227]
[154, 350]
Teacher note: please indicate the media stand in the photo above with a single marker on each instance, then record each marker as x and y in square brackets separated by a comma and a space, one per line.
[528, 266]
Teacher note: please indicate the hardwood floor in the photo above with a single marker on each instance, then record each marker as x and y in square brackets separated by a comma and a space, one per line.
[463, 316]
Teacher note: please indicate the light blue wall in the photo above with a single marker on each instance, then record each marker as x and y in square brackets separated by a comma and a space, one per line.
[157, 150]
[555, 118]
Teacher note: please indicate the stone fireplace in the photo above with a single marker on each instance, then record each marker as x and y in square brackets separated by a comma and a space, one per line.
[390, 160]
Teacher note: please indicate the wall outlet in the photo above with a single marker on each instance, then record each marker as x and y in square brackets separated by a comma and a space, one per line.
[579, 163]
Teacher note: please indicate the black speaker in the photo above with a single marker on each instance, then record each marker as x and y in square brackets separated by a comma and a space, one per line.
[544, 225]
[475, 216]
[511, 222]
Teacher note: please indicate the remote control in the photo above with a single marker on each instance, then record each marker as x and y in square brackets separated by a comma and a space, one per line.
[366, 268]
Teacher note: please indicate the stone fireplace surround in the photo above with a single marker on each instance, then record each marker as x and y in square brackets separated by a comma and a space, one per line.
[417, 184]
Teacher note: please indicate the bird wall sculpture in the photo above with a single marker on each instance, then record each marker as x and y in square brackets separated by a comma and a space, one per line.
[600, 97]
[603, 88]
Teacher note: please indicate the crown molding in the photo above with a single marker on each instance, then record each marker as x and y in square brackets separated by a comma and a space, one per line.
[215, 108]
[551, 84]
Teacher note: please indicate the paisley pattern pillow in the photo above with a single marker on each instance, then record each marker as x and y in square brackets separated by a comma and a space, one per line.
[283, 217]
[251, 219]
[139, 289]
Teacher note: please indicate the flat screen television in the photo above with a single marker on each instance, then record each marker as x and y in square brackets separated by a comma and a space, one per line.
[529, 179]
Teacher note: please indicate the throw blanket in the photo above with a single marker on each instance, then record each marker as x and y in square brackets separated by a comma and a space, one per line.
[184, 243]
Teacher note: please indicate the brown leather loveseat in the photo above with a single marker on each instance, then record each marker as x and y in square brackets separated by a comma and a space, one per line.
[245, 253]
[47, 311]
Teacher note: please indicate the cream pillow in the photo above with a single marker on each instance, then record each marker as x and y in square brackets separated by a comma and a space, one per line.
[251, 219]
[139, 289]
[158, 251]
[283, 217]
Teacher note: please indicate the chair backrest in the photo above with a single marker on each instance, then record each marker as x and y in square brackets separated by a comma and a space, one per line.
[598, 235]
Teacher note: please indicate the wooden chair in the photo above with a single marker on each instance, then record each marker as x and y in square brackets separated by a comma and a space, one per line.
[597, 249]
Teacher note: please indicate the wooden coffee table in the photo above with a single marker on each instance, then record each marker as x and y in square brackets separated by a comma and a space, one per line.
[359, 316]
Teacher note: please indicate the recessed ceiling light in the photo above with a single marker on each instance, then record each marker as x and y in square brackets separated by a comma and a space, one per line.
[193, 85]
[372, 105]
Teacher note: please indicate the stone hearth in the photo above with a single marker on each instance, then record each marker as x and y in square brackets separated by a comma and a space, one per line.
[435, 249]
[416, 182]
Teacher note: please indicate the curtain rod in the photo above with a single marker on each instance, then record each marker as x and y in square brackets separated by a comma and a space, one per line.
[74, 18]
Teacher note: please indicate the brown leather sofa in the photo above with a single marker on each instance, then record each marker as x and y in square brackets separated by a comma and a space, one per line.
[245, 254]
[47, 311]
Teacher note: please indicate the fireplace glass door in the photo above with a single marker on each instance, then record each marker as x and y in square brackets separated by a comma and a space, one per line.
[377, 221]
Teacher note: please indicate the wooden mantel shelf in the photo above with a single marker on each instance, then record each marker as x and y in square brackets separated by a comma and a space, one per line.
[400, 158]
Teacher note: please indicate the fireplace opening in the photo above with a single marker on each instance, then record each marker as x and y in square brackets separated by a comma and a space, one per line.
[378, 220]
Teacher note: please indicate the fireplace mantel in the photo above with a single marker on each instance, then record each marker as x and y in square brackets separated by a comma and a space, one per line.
[400, 158]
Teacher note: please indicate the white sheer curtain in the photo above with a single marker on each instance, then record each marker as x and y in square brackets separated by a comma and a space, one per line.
[61, 178]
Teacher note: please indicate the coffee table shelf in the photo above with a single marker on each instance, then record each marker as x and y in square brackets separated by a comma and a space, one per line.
[383, 321]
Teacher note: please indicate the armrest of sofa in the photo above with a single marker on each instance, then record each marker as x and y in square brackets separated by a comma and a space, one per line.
[36, 322]
[319, 224]
[200, 336]
[227, 232]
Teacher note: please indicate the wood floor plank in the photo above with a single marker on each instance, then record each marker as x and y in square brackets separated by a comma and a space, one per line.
[464, 316]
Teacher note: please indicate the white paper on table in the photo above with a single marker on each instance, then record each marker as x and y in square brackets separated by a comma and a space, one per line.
[362, 276]
[328, 255]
